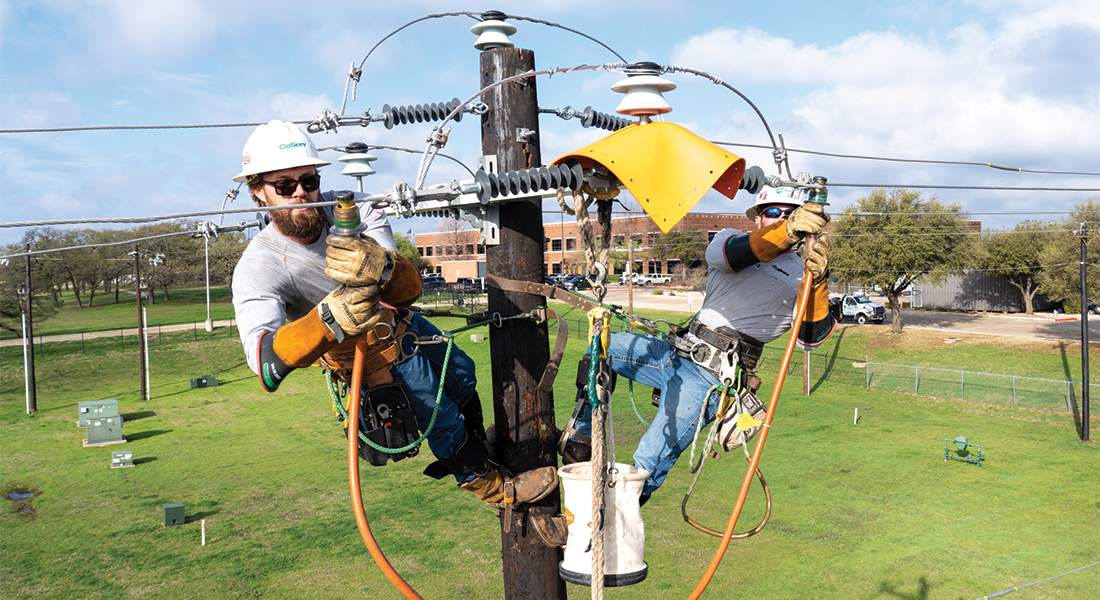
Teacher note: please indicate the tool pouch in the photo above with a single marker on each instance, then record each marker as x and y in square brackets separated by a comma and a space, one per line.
[387, 419]
[732, 437]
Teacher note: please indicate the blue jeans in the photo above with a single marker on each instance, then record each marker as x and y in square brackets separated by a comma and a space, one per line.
[421, 374]
[684, 386]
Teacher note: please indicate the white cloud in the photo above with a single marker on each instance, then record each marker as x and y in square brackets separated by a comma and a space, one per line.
[885, 93]
[26, 110]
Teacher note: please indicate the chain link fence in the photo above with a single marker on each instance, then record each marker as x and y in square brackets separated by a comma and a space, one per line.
[1056, 395]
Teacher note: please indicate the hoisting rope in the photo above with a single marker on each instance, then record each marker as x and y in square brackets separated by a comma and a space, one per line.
[595, 267]
[599, 331]
[800, 311]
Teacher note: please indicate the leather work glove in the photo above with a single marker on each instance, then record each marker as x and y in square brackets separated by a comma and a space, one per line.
[816, 260]
[349, 311]
[358, 261]
[753, 180]
[808, 219]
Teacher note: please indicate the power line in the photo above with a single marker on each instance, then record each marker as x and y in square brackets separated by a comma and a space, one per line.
[162, 217]
[135, 127]
[961, 187]
[100, 245]
[909, 160]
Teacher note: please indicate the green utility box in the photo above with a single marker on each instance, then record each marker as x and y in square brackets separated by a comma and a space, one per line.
[92, 409]
[173, 514]
[204, 381]
[104, 431]
[121, 459]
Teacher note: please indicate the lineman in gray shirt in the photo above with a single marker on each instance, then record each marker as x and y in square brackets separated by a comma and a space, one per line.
[303, 295]
[752, 282]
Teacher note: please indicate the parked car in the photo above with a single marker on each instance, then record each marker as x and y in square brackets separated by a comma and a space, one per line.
[658, 279]
[433, 281]
[469, 284]
[858, 307]
[639, 279]
[575, 282]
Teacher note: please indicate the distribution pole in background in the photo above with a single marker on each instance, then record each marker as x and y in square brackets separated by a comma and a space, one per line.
[519, 348]
[32, 388]
[141, 341]
[206, 245]
[1084, 236]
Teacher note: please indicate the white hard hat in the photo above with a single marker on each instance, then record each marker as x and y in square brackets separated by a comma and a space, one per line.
[275, 146]
[780, 195]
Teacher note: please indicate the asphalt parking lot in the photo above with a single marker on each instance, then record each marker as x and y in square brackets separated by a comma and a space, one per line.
[1038, 325]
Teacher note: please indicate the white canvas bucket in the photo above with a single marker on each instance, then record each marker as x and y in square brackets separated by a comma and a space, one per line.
[624, 532]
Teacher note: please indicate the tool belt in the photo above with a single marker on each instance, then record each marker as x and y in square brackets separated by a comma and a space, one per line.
[383, 348]
[718, 351]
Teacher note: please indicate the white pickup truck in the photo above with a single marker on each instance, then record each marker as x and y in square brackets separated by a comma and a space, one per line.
[857, 307]
[644, 280]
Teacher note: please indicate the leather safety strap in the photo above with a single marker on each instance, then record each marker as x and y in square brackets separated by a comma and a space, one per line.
[546, 384]
[541, 289]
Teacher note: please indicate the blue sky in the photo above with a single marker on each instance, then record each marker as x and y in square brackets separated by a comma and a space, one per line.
[1002, 81]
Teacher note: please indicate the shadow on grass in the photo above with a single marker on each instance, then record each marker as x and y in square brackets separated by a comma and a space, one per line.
[141, 435]
[142, 461]
[145, 414]
[921, 593]
[195, 518]
[923, 588]
[830, 362]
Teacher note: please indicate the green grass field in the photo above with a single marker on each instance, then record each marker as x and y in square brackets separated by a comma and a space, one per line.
[185, 305]
[860, 511]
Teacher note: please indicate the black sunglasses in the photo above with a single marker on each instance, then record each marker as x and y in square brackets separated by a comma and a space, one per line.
[287, 187]
[772, 212]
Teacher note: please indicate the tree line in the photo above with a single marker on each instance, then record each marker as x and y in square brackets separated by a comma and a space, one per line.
[887, 239]
[100, 261]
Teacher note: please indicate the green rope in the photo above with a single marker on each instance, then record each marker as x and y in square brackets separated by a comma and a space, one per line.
[699, 427]
[435, 411]
[634, 404]
[593, 369]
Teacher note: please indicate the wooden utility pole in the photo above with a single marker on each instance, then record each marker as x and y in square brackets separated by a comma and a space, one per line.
[1084, 236]
[520, 348]
[140, 331]
[32, 387]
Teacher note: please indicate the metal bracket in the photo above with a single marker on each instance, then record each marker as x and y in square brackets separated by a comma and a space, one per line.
[523, 81]
[524, 135]
[487, 219]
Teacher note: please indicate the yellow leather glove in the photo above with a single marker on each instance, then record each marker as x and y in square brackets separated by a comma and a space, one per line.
[817, 260]
[808, 219]
[349, 311]
[358, 261]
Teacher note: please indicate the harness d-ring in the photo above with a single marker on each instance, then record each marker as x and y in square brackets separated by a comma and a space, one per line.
[388, 335]
[402, 356]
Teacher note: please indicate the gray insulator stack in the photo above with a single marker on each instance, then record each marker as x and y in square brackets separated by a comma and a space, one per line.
[419, 113]
[525, 181]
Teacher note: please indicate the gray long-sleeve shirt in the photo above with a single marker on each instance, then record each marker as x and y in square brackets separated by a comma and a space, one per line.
[758, 301]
